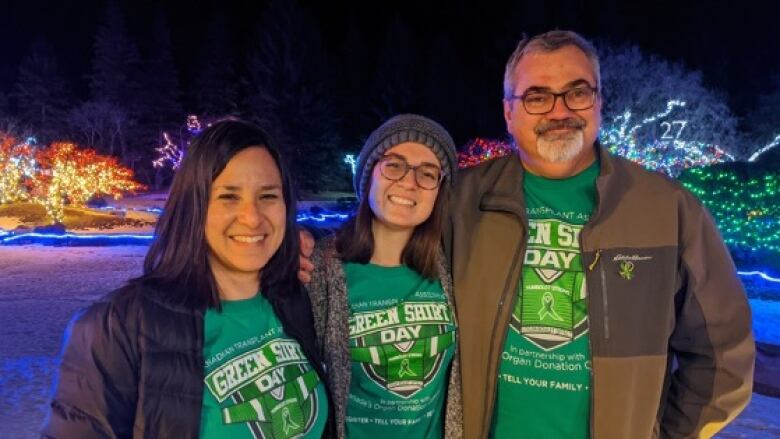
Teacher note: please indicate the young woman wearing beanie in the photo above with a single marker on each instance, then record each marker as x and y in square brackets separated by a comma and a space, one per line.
[216, 338]
[382, 295]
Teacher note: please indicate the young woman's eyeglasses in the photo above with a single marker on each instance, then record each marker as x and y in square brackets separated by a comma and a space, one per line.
[427, 176]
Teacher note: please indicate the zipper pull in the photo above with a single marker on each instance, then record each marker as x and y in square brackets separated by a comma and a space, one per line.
[595, 260]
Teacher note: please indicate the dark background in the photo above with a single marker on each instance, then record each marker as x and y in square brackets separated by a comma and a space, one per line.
[444, 59]
[735, 44]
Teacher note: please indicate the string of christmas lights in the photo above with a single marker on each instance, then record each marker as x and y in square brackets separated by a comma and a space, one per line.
[771, 145]
[746, 209]
[173, 153]
[169, 152]
[17, 166]
[59, 174]
[669, 155]
[350, 160]
[760, 274]
[481, 150]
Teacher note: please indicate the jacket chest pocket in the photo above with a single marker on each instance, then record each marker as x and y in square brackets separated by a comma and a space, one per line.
[631, 300]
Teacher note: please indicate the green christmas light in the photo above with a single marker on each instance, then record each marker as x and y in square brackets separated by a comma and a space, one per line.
[745, 207]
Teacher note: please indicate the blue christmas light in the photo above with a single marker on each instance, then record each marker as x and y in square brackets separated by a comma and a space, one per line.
[11, 238]
[155, 210]
[322, 217]
[63, 239]
[760, 274]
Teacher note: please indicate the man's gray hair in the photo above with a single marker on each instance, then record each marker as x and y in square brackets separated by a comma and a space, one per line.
[545, 43]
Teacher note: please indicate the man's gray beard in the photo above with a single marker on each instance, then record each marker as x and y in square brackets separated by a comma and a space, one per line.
[556, 148]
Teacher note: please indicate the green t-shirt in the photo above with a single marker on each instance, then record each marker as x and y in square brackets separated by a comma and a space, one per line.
[259, 383]
[402, 339]
[544, 375]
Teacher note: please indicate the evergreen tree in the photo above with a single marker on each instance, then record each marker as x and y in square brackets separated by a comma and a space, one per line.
[116, 63]
[216, 84]
[115, 84]
[396, 84]
[161, 108]
[288, 95]
[443, 86]
[356, 66]
[41, 94]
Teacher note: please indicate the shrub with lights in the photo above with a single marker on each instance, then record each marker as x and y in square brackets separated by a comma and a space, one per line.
[59, 175]
[745, 202]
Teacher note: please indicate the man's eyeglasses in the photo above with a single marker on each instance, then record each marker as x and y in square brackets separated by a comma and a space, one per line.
[394, 167]
[542, 102]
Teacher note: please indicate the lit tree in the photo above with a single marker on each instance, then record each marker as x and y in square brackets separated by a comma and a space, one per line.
[59, 174]
[70, 175]
[670, 155]
[643, 84]
[17, 166]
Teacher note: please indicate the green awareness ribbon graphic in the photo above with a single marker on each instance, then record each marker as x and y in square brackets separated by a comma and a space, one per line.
[547, 309]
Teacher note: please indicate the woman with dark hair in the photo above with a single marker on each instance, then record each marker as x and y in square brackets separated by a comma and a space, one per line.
[382, 295]
[215, 339]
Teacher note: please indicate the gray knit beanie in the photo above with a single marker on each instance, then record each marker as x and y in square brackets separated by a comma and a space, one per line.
[401, 129]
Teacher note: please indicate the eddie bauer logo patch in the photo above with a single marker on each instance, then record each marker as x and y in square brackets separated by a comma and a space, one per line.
[627, 270]
[402, 347]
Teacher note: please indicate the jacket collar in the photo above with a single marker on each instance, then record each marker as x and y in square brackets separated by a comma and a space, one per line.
[505, 192]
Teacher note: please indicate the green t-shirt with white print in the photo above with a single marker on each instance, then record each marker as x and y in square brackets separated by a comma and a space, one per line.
[259, 383]
[544, 375]
[402, 340]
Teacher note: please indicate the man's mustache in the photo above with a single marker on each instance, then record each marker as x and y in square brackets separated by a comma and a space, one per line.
[543, 127]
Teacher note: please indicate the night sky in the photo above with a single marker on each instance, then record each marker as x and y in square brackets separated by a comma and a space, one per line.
[735, 46]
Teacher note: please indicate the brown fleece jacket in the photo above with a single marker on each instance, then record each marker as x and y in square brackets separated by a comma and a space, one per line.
[672, 348]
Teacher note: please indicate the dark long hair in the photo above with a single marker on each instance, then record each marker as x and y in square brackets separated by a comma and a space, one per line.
[177, 262]
[355, 240]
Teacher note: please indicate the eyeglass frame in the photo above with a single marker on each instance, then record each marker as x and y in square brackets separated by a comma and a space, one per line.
[594, 92]
[409, 167]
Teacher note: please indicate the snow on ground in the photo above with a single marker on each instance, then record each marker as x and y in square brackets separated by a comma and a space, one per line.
[41, 287]
[129, 229]
[766, 321]
[141, 201]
